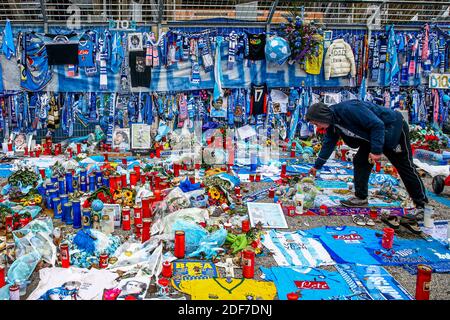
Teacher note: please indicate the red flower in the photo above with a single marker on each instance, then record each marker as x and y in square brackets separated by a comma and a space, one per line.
[86, 204]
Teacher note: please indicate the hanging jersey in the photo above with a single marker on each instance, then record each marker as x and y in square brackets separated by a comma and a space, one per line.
[256, 46]
[313, 63]
[280, 101]
[140, 73]
[296, 249]
[235, 289]
[258, 101]
[86, 53]
[309, 283]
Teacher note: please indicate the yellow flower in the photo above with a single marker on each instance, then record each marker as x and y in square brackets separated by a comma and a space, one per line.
[215, 194]
[37, 199]
[128, 194]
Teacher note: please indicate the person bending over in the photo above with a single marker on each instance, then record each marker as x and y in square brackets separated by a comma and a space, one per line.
[374, 130]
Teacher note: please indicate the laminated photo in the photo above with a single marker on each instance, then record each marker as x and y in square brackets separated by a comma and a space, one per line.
[135, 42]
[270, 215]
[140, 136]
[121, 139]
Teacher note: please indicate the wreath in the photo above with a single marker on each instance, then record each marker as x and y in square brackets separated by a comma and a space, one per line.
[304, 38]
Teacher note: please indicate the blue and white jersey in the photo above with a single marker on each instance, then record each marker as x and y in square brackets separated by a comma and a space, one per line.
[374, 280]
[309, 283]
[348, 244]
[86, 53]
[296, 249]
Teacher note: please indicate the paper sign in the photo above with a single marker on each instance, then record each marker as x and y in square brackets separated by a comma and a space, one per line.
[439, 81]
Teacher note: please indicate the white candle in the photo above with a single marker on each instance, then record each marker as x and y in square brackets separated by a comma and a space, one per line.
[448, 232]
[29, 141]
[428, 220]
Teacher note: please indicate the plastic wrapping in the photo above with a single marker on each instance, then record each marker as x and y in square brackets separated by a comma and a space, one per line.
[199, 241]
[194, 215]
[176, 200]
[148, 254]
[36, 237]
[307, 187]
[23, 267]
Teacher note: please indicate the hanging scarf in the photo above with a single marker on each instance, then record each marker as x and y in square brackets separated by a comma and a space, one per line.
[375, 69]
[104, 55]
[148, 50]
[442, 43]
[112, 111]
[412, 61]
[183, 110]
[186, 47]
[419, 61]
[218, 91]
[117, 52]
[125, 86]
[232, 48]
[383, 52]
[423, 114]
[435, 98]
[205, 50]
[8, 47]
[33, 57]
[392, 70]
[426, 56]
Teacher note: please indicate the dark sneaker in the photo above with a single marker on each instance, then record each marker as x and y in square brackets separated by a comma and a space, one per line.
[355, 202]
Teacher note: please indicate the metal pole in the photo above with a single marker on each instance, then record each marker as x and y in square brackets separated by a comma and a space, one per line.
[271, 13]
[44, 15]
[160, 16]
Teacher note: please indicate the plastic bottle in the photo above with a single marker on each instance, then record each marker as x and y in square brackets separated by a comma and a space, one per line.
[299, 200]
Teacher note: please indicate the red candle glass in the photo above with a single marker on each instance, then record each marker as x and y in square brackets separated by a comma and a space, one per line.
[137, 215]
[180, 245]
[292, 296]
[133, 178]
[146, 210]
[423, 282]
[146, 224]
[388, 238]
[123, 178]
[245, 226]
[126, 217]
[166, 269]
[64, 253]
[248, 264]
[137, 169]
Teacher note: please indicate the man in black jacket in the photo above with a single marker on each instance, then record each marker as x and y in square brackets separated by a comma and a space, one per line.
[374, 130]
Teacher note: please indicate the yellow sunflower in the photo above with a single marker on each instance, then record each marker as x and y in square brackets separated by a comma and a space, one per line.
[214, 193]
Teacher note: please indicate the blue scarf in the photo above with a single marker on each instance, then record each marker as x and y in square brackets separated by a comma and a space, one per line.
[8, 46]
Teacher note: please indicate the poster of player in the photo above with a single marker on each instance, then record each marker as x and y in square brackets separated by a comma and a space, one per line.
[140, 136]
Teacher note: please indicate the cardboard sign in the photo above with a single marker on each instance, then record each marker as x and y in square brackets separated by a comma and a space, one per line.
[439, 81]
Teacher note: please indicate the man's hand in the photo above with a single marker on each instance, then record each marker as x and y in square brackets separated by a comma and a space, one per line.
[313, 172]
[374, 157]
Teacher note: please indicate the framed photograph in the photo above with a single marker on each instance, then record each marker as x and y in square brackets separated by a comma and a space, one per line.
[270, 215]
[140, 136]
[117, 213]
[135, 42]
[121, 139]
